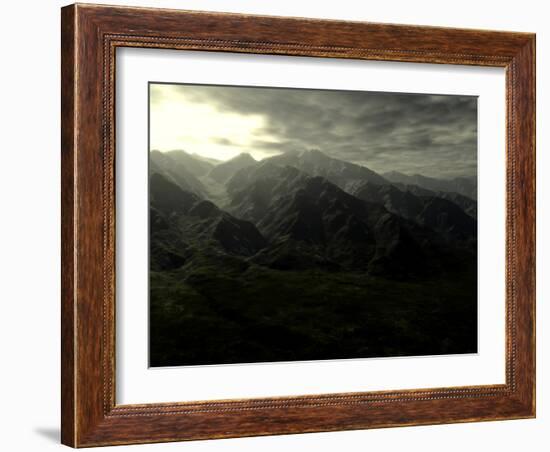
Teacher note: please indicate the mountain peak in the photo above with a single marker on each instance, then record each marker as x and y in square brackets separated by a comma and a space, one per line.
[340, 172]
[225, 170]
[243, 157]
[178, 152]
[315, 153]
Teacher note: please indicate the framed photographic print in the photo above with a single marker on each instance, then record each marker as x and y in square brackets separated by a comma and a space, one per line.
[281, 225]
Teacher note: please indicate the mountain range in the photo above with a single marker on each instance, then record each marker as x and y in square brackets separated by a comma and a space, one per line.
[466, 186]
[307, 210]
[219, 231]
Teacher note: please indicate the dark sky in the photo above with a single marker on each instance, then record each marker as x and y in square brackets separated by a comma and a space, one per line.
[433, 135]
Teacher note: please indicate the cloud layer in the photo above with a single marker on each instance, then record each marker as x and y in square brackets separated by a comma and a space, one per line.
[433, 135]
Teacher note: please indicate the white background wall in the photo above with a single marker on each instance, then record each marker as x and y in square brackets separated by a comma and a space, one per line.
[29, 247]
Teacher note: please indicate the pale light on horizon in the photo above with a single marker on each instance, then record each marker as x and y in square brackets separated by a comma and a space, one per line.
[181, 123]
[429, 134]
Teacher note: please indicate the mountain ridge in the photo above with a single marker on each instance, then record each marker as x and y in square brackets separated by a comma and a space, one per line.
[296, 214]
[339, 172]
[464, 185]
[225, 170]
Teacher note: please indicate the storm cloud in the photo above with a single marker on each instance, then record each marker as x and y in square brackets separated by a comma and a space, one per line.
[432, 135]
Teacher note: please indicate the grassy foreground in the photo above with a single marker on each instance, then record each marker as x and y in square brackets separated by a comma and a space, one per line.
[206, 314]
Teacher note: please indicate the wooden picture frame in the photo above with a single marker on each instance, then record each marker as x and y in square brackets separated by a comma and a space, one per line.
[90, 36]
